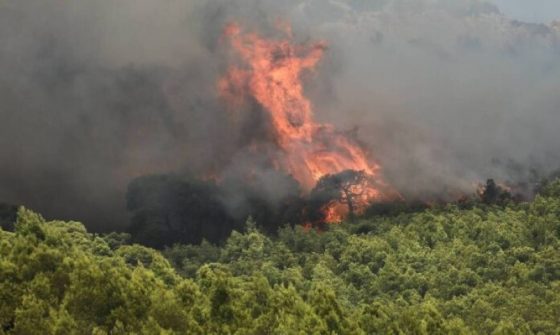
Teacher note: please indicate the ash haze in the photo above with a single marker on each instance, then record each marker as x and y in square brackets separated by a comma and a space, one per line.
[445, 93]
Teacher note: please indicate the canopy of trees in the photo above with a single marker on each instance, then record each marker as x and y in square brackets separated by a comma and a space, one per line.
[346, 188]
[168, 209]
[8, 215]
[483, 270]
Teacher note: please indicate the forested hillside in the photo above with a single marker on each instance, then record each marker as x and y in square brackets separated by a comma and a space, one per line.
[485, 269]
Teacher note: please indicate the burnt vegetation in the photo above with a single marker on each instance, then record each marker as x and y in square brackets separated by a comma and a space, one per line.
[170, 209]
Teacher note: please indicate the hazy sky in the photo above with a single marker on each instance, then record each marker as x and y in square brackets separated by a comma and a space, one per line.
[446, 93]
[530, 10]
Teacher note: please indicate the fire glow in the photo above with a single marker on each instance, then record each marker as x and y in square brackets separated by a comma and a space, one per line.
[271, 75]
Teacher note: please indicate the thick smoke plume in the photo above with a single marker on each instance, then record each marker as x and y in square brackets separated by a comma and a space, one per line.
[96, 93]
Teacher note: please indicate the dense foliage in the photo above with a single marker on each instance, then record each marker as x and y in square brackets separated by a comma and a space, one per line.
[168, 209]
[486, 269]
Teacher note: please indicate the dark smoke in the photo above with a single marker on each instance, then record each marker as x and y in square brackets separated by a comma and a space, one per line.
[169, 209]
[94, 94]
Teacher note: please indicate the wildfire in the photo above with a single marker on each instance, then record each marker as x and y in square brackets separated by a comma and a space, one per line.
[271, 76]
[335, 212]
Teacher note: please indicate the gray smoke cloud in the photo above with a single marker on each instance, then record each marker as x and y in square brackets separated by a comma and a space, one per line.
[96, 93]
[446, 93]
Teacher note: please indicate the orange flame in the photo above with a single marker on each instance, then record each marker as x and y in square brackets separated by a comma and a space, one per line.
[272, 77]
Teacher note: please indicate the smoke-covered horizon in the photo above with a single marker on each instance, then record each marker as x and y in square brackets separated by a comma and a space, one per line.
[96, 93]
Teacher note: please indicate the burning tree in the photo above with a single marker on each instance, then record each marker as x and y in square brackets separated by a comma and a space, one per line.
[493, 193]
[332, 164]
[341, 194]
